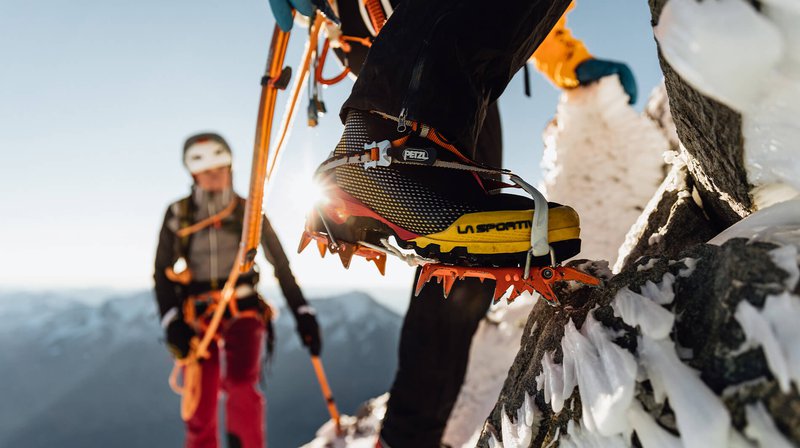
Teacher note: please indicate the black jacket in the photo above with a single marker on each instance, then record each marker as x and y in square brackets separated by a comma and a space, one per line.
[182, 213]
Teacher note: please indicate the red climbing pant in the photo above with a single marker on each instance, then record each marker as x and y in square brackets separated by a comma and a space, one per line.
[244, 404]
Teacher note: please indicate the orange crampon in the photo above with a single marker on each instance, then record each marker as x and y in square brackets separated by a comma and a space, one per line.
[540, 279]
[346, 251]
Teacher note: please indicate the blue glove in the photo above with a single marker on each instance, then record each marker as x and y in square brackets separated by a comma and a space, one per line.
[282, 10]
[592, 70]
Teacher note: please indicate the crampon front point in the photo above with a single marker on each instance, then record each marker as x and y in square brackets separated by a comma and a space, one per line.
[513, 280]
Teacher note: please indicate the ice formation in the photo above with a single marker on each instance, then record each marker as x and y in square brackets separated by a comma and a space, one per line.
[702, 419]
[662, 292]
[759, 332]
[779, 224]
[690, 264]
[637, 310]
[606, 376]
[761, 428]
[786, 258]
[596, 139]
[520, 433]
[775, 330]
[650, 433]
[604, 372]
[755, 70]
[578, 437]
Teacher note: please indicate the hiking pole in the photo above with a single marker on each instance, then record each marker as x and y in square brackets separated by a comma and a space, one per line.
[326, 392]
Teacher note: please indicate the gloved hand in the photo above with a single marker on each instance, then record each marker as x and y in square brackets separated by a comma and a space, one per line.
[282, 10]
[308, 329]
[179, 337]
[592, 70]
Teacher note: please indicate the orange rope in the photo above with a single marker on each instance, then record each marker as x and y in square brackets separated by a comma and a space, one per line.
[321, 65]
[211, 220]
[294, 95]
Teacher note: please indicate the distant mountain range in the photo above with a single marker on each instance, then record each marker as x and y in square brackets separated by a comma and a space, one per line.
[77, 375]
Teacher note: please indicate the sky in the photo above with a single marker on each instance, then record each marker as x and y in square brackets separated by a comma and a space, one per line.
[97, 97]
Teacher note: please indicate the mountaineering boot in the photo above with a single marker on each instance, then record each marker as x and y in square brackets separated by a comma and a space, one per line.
[447, 215]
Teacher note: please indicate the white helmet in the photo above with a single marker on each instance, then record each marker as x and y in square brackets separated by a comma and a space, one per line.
[206, 151]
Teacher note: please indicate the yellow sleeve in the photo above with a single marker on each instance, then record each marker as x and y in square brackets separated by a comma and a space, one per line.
[560, 53]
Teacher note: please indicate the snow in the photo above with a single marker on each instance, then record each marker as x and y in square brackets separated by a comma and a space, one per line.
[606, 375]
[658, 110]
[638, 310]
[775, 329]
[361, 432]
[761, 428]
[649, 432]
[702, 419]
[520, 433]
[786, 258]
[755, 71]
[757, 329]
[557, 387]
[601, 155]
[662, 292]
[779, 223]
[578, 437]
[649, 265]
[691, 264]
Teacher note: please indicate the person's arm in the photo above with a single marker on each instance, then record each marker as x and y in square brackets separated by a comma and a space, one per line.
[560, 53]
[166, 290]
[178, 332]
[304, 315]
[567, 63]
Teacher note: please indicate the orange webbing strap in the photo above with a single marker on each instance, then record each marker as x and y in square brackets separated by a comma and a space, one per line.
[211, 220]
[294, 95]
[376, 15]
[321, 64]
[427, 132]
[326, 392]
[365, 41]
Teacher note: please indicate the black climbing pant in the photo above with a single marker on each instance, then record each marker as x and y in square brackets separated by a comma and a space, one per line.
[444, 62]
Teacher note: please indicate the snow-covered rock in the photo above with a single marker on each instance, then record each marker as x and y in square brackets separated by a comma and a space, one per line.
[605, 160]
[695, 351]
[753, 70]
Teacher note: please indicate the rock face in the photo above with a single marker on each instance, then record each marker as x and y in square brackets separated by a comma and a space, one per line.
[671, 222]
[712, 134]
[661, 314]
